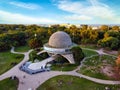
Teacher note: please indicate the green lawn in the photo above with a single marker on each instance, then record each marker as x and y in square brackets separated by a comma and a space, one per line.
[9, 84]
[89, 46]
[22, 48]
[65, 67]
[89, 53]
[93, 65]
[8, 60]
[65, 82]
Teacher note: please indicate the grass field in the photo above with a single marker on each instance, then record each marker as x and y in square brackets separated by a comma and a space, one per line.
[89, 46]
[91, 66]
[89, 53]
[8, 60]
[67, 67]
[22, 48]
[8, 84]
[65, 82]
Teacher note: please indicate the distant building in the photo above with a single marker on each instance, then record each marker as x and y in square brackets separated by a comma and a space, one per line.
[95, 28]
[67, 25]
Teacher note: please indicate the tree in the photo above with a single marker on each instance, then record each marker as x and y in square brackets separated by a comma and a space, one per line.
[104, 27]
[19, 38]
[116, 28]
[101, 34]
[4, 46]
[106, 35]
[111, 42]
[84, 27]
[89, 36]
[35, 43]
[93, 35]
[84, 34]
[74, 32]
[77, 54]
[114, 34]
[5, 42]
[42, 33]
[57, 27]
[50, 32]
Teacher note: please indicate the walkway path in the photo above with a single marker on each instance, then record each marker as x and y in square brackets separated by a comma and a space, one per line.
[100, 51]
[27, 81]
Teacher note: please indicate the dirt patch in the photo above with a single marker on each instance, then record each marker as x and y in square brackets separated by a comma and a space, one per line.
[116, 73]
[107, 69]
[111, 72]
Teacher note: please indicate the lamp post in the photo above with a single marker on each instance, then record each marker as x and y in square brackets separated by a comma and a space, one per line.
[35, 35]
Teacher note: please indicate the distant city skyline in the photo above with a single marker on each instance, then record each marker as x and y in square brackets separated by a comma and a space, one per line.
[59, 11]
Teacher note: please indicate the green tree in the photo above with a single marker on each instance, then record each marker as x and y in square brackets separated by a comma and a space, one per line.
[116, 28]
[19, 38]
[114, 34]
[4, 46]
[84, 27]
[77, 54]
[89, 36]
[74, 32]
[111, 42]
[101, 34]
[35, 43]
[104, 27]
[93, 35]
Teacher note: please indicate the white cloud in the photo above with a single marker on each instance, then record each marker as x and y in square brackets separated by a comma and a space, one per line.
[25, 5]
[15, 18]
[78, 17]
[89, 8]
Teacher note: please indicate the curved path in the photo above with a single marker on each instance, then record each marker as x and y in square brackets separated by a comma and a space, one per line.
[27, 81]
[100, 51]
[15, 70]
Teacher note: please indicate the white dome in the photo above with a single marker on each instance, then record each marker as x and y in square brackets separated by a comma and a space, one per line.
[60, 39]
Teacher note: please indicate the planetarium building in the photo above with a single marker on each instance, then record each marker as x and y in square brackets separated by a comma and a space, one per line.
[60, 43]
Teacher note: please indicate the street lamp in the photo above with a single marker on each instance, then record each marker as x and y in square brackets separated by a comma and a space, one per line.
[35, 35]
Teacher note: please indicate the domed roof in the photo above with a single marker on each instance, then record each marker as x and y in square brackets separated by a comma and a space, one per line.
[60, 39]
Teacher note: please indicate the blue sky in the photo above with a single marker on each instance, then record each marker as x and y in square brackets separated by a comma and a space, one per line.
[59, 11]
